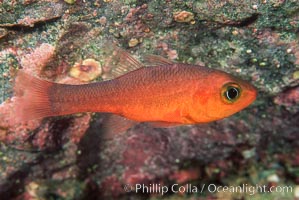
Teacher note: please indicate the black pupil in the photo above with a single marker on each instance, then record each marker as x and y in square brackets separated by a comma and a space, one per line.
[232, 93]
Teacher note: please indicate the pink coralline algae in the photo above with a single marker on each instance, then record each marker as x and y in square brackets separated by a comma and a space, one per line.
[111, 187]
[35, 61]
[183, 176]
[288, 98]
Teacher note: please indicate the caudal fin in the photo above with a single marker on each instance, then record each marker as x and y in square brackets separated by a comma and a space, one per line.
[31, 98]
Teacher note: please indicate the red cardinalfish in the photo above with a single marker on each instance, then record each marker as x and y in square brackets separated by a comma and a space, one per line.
[163, 94]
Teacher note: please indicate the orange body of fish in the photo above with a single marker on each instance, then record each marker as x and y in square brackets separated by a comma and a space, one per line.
[171, 93]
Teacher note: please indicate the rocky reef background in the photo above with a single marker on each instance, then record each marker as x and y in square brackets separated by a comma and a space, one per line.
[68, 158]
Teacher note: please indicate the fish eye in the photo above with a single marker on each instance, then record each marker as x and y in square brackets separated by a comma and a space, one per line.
[231, 92]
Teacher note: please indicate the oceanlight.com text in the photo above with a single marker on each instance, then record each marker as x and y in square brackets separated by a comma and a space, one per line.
[210, 188]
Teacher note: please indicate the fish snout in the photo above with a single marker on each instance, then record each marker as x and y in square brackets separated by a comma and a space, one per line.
[250, 93]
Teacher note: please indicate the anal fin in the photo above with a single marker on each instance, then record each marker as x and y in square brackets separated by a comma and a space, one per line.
[164, 124]
[114, 125]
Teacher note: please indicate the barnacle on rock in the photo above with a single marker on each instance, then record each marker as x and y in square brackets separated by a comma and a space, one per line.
[87, 70]
[70, 1]
[133, 42]
[184, 16]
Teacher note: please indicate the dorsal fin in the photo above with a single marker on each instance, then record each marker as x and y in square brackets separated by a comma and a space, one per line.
[120, 62]
[155, 60]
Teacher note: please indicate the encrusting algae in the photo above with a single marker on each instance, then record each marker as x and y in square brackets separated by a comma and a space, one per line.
[165, 94]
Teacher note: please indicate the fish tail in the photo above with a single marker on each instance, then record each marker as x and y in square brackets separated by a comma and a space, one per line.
[31, 98]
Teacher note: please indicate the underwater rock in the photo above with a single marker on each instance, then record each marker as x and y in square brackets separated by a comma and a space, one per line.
[289, 98]
[3, 32]
[32, 14]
